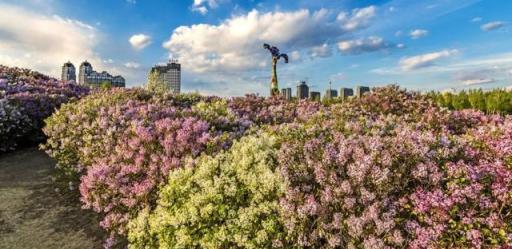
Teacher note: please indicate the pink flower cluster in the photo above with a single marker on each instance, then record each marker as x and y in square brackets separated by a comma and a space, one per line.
[388, 176]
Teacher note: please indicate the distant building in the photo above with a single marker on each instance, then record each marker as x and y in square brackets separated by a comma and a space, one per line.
[68, 72]
[286, 93]
[302, 90]
[170, 75]
[87, 76]
[315, 96]
[331, 93]
[345, 93]
[360, 90]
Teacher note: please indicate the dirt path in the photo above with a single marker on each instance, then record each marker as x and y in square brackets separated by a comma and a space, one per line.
[33, 215]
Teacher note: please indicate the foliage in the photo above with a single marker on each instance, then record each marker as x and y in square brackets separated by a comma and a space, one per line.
[389, 169]
[27, 98]
[226, 201]
[494, 101]
[155, 83]
[14, 124]
[75, 138]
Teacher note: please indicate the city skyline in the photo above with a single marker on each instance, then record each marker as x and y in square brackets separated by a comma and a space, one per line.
[427, 45]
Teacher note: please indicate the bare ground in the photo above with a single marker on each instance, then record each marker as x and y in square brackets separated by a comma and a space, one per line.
[33, 215]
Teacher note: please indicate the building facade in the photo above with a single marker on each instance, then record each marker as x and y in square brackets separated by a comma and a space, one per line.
[302, 90]
[88, 77]
[331, 93]
[345, 93]
[170, 75]
[286, 93]
[68, 72]
[360, 90]
[315, 96]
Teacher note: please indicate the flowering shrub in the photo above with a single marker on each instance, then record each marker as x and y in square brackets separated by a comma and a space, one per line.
[35, 97]
[155, 142]
[225, 201]
[260, 110]
[344, 179]
[74, 133]
[391, 169]
[472, 206]
[13, 125]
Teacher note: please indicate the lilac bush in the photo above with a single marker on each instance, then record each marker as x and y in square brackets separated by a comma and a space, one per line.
[388, 170]
[35, 97]
[14, 124]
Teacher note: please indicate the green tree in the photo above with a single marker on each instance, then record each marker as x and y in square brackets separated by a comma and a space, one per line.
[155, 83]
[105, 85]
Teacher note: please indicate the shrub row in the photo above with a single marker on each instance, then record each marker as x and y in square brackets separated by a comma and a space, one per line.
[389, 170]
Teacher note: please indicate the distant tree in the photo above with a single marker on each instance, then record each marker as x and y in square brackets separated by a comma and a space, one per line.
[460, 101]
[155, 83]
[105, 85]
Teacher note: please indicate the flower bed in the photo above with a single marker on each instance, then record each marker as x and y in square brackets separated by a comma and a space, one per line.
[389, 170]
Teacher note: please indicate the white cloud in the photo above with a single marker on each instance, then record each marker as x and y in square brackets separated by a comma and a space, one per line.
[44, 42]
[201, 6]
[400, 45]
[131, 64]
[201, 9]
[322, 51]
[492, 25]
[108, 61]
[140, 41]
[418, 33]
[358, 18]
[295, 56]
[424, 60]
[358, 46]
[236, 43]
[476, 19]
[478, 81]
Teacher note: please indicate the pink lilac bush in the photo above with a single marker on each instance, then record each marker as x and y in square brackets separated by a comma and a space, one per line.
[79, 132]
[275, 110]
[156, 141]
[472, 206]
[386, 178]
[343, 184]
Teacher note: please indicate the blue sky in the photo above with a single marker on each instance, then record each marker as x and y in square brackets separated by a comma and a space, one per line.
[421, 45]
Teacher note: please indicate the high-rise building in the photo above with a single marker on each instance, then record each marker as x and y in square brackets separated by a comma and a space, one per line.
[68, 72]
[345, 93]
[286, 93]
[360, 90]
[314, 96]
[84, 70]
[331, 93]
[302, 90]
[170, 75]
[87, 76]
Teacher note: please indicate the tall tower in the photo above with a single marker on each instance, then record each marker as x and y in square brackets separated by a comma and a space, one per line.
[302, 90]
[68, 72]
[170, 75]
[85, 69]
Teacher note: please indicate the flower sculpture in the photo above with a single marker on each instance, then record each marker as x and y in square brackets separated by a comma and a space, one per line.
[276, 55]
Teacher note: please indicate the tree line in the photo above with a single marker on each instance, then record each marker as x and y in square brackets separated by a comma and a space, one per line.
[496, 101]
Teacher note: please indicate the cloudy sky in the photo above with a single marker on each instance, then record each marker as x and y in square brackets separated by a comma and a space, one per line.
[421, 45]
